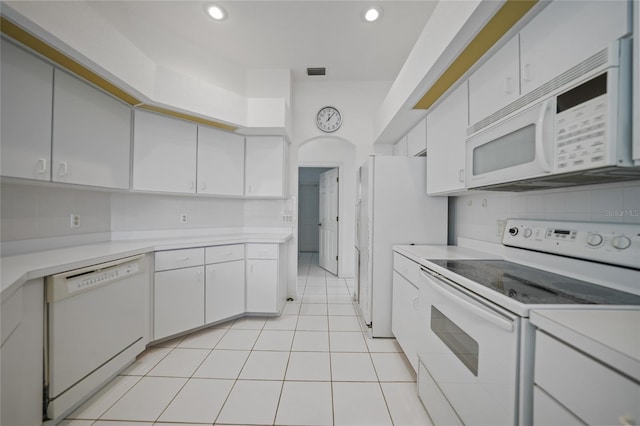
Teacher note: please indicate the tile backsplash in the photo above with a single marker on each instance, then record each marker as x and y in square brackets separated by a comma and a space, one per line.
[34, 211]
[144, 212]
[478, 215]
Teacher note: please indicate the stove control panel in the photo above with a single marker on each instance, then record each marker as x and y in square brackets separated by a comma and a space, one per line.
[614, 243]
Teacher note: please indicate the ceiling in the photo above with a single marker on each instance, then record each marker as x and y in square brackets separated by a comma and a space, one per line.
[292, 34]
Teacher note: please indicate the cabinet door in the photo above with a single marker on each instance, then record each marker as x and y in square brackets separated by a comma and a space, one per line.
[264, 167]
[446, 134]
[220, 162]
[566, 33]
[91, 135]
[496, 83]
[27, 91]
[417, 139]
[178, 301]
[262, 286]
[404, 317]
[164, 154]
[224, 290]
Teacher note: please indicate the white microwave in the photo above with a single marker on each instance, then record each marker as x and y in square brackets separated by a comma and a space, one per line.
[574, 130]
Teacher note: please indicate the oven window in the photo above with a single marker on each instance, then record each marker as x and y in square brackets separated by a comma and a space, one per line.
[460, 343]
[509, 150]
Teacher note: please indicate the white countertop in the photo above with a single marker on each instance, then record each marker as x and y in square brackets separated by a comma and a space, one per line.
[611, 336]
[422, 253]
[16, 270]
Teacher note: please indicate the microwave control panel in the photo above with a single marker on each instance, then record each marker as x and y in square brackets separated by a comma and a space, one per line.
[581, 135]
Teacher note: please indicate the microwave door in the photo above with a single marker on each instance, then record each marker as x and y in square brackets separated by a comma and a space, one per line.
[520, 147]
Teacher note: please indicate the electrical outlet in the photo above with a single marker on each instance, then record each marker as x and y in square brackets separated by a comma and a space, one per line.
[183, 218]
[287, 218]
[74, 221]
[500, 224]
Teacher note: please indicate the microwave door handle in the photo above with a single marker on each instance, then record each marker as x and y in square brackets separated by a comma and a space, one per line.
[494, 319]
[542, 144]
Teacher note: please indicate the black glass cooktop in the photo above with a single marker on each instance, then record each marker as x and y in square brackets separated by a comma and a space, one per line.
[535, 286]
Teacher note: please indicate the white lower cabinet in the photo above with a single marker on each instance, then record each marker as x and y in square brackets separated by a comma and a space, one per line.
[571, 385]
[404, 317]
[21, 355]
[266, 278]
[178, 297]
[224, 285]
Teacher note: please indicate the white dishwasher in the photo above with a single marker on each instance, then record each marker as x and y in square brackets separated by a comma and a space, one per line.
[95, 326]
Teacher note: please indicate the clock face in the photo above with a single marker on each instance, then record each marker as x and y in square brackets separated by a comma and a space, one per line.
[329, 119]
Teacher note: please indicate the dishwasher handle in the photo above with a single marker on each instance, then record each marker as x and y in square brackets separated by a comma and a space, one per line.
[439, 283]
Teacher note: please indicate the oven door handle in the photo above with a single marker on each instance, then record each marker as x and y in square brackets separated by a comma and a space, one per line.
[487, 316]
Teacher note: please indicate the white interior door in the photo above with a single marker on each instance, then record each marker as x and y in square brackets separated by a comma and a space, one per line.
[328, 254]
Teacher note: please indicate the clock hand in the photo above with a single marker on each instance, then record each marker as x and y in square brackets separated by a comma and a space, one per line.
[329, 118]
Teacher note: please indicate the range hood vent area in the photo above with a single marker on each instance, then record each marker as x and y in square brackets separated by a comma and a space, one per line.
[591, 177]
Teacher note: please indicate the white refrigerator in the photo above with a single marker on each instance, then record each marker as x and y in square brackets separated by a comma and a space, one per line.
[393, 209]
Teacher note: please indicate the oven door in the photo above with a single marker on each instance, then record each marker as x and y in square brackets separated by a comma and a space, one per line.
[515, 149]
[470, 351]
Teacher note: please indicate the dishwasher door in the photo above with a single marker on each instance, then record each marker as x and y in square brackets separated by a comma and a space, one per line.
[95, 327]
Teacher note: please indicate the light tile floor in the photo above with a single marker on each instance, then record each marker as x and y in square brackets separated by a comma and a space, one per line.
[313, 365]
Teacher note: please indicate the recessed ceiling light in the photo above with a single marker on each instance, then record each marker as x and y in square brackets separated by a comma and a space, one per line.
[216, 12]
[373, 14]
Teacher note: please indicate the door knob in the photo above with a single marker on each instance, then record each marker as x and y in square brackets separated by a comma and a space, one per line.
[319, 224]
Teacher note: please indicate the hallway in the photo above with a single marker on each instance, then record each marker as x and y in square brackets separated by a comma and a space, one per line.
[311, 366]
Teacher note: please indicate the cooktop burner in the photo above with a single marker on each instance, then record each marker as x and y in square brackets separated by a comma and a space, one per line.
[534, 286]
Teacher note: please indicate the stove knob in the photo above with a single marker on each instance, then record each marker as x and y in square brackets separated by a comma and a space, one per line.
[513, 231]
[527, 232]
[621, 242]
[594, 240]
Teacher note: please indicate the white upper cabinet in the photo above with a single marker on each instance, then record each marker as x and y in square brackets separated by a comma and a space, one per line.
[220, 162]
[164, 154]
[91, 135]
[27, 88]
[496, 83]
[265, 166]
[446, 134]
[417, 138]
[566, 33]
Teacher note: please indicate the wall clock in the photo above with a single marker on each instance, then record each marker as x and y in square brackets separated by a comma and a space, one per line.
[329, 119]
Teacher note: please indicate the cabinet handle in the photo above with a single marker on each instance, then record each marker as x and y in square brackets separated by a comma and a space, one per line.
[415, 303]
[203, 186]
[63, 169]
[251, 268]
[192, 185]
[526, 72]
[212, 271]
[42, 165]
[182, 259]
[461, 175]
[229, 253]
[507, 85]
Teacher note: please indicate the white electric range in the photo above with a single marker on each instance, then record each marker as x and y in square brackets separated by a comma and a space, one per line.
[476, 342]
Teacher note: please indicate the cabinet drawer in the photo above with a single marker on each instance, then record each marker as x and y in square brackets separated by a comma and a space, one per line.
[407, 268]
[174, 259]
[219, 254]
[604, 396]
[262, 251]
[548, 412]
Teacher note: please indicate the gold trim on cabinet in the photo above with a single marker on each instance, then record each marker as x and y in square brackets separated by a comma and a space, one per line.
[39, 46]
[504, 19]
[183, 116]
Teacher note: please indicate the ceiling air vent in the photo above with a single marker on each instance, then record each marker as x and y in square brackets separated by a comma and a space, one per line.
[317, 71]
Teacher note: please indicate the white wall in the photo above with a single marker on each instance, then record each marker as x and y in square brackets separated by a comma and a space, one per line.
[348, 147]
[595, 203]
[146, 212]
